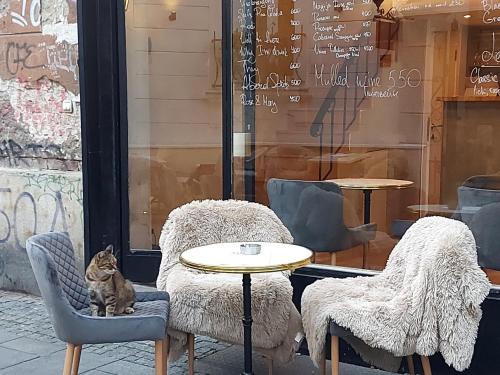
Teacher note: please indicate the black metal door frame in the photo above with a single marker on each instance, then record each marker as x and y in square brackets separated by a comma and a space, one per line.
[100, 118]
[103, 92]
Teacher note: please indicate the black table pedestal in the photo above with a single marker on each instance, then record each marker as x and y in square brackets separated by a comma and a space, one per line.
[367, 205]
[367, 194]
[247, 323]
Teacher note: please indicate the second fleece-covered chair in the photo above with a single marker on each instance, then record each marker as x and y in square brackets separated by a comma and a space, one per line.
[426, 300]
[211, 304]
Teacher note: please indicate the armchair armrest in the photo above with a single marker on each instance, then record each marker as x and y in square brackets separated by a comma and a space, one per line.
[364, 233]
[152, 296]
[399, 227]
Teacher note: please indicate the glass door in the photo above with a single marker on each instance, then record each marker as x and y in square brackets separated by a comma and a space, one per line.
[173, 52]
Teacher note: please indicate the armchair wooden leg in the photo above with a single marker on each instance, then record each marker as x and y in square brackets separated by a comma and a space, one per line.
[161, 352]
[426, 365]
[167, 351]
[270, 366]
[335, 355]
[411, 365]
[76, 359]
[322, 363]
[68, 361]
[333, 259]
[190, 354]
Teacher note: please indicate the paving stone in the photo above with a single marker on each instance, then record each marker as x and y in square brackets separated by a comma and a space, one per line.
[9, 357]
[230, 362]
[53, 364]
[29, 345]
[126, 368]
[7, 336]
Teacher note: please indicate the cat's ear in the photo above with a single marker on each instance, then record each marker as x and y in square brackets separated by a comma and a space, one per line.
[109, 249]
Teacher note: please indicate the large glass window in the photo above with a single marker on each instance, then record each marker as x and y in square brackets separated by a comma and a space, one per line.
[174, 110]
[395, 107]
[355, 119]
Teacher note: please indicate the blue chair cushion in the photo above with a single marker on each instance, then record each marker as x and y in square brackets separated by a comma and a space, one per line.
[336, 330]
[157, 308]
[148, 322]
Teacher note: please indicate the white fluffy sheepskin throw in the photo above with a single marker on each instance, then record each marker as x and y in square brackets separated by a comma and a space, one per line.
[426, 300]
[212, 304]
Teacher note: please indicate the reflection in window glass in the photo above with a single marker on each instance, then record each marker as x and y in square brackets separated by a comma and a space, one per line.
[395, 108]
[174, 116]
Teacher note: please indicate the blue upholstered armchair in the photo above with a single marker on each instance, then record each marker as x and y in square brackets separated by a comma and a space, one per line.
[65, 295]
[313, 212]
[485, 225]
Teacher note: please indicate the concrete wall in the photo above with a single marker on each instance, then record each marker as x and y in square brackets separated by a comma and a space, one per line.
[40, 153]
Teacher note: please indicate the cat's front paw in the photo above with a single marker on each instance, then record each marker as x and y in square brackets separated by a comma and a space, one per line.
[129, 310]
[109, 314]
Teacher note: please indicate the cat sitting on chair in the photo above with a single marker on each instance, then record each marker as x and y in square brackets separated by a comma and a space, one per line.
[110, 293]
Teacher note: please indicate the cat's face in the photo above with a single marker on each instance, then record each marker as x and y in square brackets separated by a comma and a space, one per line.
[105, 260]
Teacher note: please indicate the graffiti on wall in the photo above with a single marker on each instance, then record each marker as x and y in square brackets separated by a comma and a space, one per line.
[34, 155]
[40, 156]
[38, 74]
[29, 57]
[22, 16]
[39, 203]
[10, 225]
[17, 154]
[63, 57]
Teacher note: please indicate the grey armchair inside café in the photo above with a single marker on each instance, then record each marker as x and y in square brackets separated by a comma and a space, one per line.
[313, 211]
[479, 208]
[485, 225]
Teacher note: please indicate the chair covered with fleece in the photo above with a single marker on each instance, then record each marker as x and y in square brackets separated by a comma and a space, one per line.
[426, 300]
[211, 304]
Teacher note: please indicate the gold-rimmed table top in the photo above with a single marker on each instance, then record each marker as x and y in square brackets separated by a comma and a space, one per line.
[371, 183]
[226, 258]
[442, 209]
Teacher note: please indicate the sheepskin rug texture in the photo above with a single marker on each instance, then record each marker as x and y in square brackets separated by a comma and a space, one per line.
[426, 300]
[211, 304]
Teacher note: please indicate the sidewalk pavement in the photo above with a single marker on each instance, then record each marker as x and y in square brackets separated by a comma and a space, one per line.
[28, 346]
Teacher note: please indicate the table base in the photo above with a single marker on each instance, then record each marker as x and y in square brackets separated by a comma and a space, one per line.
[367, 206]
[247, 323]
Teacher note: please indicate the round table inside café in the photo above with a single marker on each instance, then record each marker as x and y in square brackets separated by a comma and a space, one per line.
[226, 258]
[367, 185]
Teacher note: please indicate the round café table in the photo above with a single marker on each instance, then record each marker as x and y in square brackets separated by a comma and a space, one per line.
[368, 185]
[441, 209]
[226, 258]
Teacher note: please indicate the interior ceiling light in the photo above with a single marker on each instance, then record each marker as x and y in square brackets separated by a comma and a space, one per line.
[467, 16]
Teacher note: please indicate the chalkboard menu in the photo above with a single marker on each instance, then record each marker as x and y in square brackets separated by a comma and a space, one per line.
[319, 44]
[286, 48]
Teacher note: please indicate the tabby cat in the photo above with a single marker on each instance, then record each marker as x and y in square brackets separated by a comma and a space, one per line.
[110, 293]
